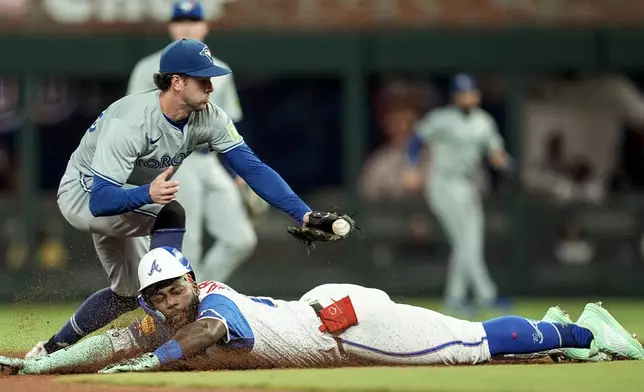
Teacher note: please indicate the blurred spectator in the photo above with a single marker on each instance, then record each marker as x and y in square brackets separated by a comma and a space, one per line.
[13, 8]
[399, 105]
[573, 127]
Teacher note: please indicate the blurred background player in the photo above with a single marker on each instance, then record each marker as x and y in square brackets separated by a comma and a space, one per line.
[210, 196]
[460, 134]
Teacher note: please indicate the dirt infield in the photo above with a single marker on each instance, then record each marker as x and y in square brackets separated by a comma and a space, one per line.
[49, 384]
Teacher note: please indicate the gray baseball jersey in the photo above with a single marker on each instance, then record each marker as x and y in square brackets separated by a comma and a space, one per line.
[132, 141]
[207, 191]
[459, 141]
[224, 94]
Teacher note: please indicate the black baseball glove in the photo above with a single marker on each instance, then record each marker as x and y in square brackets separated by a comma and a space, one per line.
[318, 228]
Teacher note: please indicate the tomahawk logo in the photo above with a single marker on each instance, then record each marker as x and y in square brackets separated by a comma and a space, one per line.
[154, 268]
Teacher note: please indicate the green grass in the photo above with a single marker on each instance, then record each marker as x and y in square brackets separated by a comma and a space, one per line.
[21, 326]
[599, 377]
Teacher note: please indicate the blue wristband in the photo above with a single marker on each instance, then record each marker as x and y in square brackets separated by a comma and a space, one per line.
[170, 351]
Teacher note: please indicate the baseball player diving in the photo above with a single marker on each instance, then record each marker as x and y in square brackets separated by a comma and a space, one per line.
[118, 183]
[331, 325]
[208, 194]
[460, 135]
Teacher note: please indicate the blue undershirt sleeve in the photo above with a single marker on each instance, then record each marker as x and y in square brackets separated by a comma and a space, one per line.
[265, 181]
[108, 199]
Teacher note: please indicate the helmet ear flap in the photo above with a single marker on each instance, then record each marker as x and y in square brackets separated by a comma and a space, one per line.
[150, 309]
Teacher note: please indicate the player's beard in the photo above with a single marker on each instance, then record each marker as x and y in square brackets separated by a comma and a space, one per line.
[187, 316]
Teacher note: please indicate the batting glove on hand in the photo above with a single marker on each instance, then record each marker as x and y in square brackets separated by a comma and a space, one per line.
[143, 363]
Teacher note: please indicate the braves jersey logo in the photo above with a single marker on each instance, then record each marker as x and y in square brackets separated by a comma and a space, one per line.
[154, 268]
[206, 52]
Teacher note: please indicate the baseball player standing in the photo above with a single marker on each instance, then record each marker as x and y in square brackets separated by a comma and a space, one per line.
[460, 134]
[208, 193]
[118, 183]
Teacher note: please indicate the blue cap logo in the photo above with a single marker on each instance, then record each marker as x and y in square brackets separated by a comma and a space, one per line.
[206, 52]
[190, 57]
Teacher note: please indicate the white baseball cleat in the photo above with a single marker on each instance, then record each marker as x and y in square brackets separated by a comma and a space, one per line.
[38, 351]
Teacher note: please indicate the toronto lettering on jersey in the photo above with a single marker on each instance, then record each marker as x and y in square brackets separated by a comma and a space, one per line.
[165, 161]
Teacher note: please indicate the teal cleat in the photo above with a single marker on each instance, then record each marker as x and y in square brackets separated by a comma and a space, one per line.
[557, 315]
[609, 335]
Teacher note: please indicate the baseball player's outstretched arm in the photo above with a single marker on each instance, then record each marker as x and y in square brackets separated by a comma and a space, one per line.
[263, 180]
[266, 182]
[192, 339]
[89, 352]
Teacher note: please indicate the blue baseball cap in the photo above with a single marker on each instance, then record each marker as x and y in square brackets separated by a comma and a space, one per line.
[462, 83]
[190, 57]
[187, 10]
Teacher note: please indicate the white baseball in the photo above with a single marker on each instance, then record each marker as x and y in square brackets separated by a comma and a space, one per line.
[341, 227]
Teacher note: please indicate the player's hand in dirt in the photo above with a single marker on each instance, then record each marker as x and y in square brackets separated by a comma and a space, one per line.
[145, 363]
[162, 189]
[11, 365]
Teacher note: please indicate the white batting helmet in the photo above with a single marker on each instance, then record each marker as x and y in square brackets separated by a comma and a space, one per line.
[159, 264]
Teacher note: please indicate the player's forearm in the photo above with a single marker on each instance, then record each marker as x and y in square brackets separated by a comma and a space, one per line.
[500, 159]
[226, 166]
[265, 182]
[190, 340]
[107, 199]
[90, 351]
[414, 146]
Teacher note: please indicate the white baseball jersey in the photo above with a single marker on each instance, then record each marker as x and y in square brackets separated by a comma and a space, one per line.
[133, 142]
[264, 332]
[224, 94]
[272, 332]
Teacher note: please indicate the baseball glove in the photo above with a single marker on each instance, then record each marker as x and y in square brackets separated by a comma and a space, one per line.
[319, 228]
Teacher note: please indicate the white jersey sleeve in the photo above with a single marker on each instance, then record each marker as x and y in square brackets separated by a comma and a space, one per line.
[117, 149]
[223, 135]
